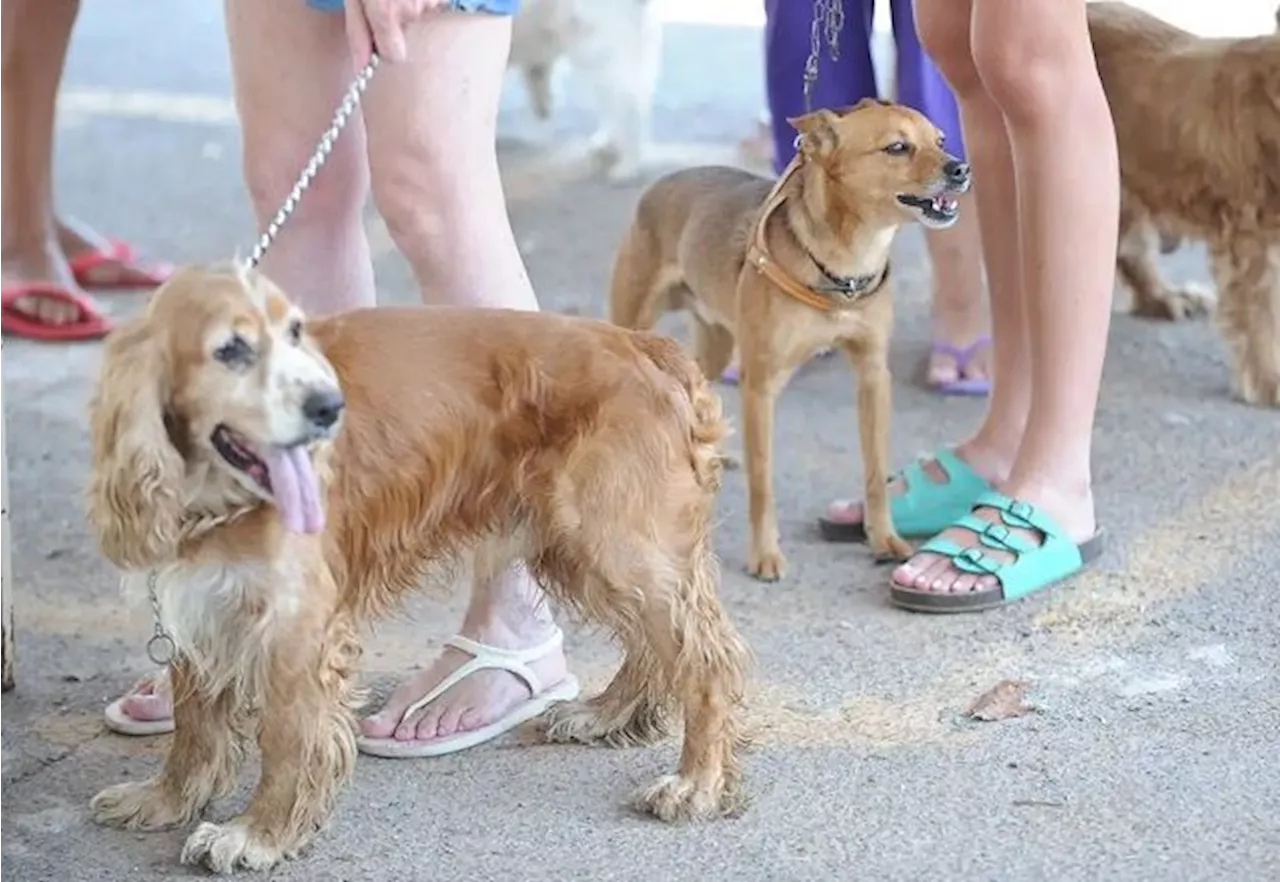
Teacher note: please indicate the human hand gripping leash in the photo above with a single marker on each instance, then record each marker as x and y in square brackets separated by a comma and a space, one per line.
[161, 648]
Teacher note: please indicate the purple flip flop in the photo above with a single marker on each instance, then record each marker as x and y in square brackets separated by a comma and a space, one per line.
[964, 355]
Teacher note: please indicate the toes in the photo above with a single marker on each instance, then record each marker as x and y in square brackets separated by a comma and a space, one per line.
[147, 707]
[377, 726]
[469, 720]
[446, 724]
[845, 511]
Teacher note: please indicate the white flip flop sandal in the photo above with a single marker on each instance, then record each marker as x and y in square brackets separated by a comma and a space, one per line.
[120, 722]
[483, 657]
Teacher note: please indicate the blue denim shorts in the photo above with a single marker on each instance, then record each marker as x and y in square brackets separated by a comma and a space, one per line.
[493, 7]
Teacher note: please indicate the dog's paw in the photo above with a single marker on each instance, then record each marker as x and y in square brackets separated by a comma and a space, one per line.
[591, 722]
[1259, 391]
[226, 847]
[889, 547]
[767, 566]
[138, 805]
[1192, 300]
[675, 798]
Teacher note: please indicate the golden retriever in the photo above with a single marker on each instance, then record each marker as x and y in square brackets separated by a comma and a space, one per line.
[275, 482]
[790, 267]
[1198, 127]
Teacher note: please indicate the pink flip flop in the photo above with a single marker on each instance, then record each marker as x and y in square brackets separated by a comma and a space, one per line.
[121, 722]
[963, 355]
[88, 325]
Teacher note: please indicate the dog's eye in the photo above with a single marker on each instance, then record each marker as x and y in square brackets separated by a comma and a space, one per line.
[897, 148]
[295, 331]
[236, 352]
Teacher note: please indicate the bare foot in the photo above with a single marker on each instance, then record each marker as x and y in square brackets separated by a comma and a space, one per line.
[484, 697]
[77, 239]
[44, 262]
[937, 573]
[149, 700]
[986, 463]
[961, 349]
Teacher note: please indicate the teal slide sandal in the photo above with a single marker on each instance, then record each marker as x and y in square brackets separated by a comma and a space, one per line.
[926, 508]
[1035, 566]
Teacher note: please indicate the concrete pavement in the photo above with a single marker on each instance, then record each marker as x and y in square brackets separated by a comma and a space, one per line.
[1151, 752]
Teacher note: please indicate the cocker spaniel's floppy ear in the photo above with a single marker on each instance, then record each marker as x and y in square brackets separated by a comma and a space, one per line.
[135, 492]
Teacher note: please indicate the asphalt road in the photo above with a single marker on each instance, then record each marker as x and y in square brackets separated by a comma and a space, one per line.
[1155, 679]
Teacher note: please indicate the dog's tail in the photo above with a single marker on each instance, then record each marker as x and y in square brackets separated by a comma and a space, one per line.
[705, 413]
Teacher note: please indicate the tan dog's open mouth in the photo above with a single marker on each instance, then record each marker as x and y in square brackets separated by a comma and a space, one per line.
[935, 212]
[284, 475]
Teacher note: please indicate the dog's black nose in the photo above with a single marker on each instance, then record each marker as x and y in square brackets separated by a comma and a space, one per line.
[322, 408]
[956, 171]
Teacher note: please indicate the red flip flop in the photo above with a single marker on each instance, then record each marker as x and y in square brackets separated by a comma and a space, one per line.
[90, 325]
[87, 266]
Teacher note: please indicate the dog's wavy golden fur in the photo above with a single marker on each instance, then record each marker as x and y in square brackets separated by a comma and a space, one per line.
[824, 230]
[1198, 127]
[478, 437]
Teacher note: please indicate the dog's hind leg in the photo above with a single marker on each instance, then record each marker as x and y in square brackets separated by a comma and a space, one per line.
[1153, 296]
[638, 292]
[1247, 271]
[712, 347]
[704, 663]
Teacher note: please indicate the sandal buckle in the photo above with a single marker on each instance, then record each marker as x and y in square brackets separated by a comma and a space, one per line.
[975, 557]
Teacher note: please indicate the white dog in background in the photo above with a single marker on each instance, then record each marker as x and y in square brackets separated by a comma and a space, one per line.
[616, 45]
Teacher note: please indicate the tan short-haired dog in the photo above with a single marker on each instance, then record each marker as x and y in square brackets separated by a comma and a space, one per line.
[790, 267]
[273, 483]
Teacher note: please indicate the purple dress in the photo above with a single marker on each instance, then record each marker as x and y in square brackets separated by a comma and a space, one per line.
[852, 78]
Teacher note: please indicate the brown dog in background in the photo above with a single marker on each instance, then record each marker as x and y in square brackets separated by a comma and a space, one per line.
[274, 484]
[1198, 127]
[789, 267]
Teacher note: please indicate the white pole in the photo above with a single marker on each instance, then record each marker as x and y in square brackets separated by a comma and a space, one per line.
[6, 576]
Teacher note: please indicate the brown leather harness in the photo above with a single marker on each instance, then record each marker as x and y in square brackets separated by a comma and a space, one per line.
[848, 291]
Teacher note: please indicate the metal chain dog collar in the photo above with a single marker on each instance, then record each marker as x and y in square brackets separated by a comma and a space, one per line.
[161, 648]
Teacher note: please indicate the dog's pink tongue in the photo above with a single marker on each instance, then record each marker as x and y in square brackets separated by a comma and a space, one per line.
[297, 493]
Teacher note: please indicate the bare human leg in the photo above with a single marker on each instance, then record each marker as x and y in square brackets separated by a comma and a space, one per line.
[432, 152]
[959, 359]
[36, 36]
[1034, 65]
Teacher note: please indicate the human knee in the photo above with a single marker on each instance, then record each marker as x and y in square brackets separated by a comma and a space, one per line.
[1028, 79]
[942, 27]
[271, 170]
[426, 199]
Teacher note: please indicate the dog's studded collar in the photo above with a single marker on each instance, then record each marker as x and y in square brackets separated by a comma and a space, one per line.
[851, 287]
[844, 291]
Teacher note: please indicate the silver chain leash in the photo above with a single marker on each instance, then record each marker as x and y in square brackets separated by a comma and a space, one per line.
[350, 101]
[828, 17]
[160, 648]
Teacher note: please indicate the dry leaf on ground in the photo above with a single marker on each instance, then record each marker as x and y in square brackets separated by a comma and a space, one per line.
[1002, 701]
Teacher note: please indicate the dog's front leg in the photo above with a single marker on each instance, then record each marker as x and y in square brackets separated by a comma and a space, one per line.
[875, 414]
[760, 384]
[306, 735]
[201, 764]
